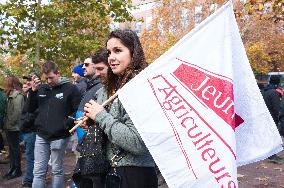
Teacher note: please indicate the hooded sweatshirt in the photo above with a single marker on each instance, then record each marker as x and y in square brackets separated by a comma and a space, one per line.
[54, 105]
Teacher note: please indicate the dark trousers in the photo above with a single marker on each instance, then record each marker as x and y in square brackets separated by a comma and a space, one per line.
[137, 177]
[89, 181]
[1, 142]
[29, 139]
[14, 148]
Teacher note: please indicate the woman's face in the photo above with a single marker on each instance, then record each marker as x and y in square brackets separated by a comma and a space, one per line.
[119, 56]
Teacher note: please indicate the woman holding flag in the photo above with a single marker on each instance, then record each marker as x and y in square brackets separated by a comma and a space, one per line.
[132, 165]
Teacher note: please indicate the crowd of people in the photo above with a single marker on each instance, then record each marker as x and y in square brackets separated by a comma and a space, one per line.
[109, 151]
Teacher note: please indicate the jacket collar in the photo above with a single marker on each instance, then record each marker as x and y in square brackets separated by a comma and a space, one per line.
[14, 93]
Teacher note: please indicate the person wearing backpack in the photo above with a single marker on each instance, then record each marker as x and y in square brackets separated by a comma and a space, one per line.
[272, 95]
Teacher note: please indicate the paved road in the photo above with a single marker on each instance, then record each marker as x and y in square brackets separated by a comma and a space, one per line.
[257, 175]
[16, 183]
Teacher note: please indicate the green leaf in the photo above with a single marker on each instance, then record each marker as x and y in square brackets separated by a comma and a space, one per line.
[66, 29]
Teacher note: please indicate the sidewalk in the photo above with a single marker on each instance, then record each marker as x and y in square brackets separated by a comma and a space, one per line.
[262, 174]
[257, 175]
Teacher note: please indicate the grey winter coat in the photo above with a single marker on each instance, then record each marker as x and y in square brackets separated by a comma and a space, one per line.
[122, 134]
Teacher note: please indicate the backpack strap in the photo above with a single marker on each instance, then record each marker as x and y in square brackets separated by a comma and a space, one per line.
[280, 91]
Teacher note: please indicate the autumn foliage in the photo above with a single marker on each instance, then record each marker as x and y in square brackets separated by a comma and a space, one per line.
[69, 30]
[60, 30]
[260, 23]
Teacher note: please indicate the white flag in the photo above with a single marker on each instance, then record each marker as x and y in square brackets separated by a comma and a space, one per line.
[199, 110]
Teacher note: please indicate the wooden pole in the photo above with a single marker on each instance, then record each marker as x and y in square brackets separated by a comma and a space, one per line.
[84, 118]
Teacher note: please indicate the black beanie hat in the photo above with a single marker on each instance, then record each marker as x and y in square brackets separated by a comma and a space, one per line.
[274, 79]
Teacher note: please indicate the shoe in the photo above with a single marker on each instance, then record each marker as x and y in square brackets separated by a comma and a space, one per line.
[4, 159]
[16, 173]
[276, 159]
[27, 184]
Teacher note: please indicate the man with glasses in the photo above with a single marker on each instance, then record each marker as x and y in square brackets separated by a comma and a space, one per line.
[95, 70]
[89, 72]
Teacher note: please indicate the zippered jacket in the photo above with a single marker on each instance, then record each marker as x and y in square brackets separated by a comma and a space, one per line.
[54, 105]
[14, 108]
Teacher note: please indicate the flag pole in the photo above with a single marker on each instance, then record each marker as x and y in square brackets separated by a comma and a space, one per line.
[85, 118]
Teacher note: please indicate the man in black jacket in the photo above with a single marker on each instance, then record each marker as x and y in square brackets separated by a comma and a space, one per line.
[55, 101]
[272, 98]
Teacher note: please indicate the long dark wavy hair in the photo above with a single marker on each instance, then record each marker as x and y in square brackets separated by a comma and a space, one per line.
[11, 83]
[138, 62]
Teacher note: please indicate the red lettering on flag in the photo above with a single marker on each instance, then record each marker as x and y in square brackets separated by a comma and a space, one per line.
[215, 91]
